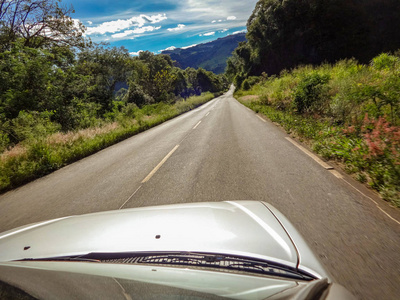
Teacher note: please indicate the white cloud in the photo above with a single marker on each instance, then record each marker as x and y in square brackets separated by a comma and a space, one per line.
[223, 30]
[122, 34]
[157, 18]
[136, 53]
[169, 48]
[119, 25]
[231, 18]
[187, 47]
[208, 33]
[145, 29]
[236, 32]
[140, 30]
[90, 22]
[179, 27]
[214, 21]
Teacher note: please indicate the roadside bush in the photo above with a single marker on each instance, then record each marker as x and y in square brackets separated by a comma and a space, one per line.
[137, 95]
[4, 141]
[310, 92]
[383, 142]
[238, 80]
[32, 125]
[79, 115]
[130, 110]
[246, 85]
[384, 61]
[249, 82]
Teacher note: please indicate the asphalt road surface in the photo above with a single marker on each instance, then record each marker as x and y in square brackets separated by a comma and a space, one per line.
[223, 151]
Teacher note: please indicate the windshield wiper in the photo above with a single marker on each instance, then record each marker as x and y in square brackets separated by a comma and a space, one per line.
[192, 259]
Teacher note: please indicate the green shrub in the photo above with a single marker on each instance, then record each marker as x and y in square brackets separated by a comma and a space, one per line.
[249, 82]
[310, 91]
[4, 141]
[79, 115]
[32, 125]
[137, 95]
[238, 80]
[246, 85]
[384, 61]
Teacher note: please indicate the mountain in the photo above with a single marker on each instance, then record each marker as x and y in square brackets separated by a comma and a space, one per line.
[211, 56]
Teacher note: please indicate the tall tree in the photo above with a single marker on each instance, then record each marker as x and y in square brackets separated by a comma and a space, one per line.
[39, 23]
[285, 33]
[104, 67]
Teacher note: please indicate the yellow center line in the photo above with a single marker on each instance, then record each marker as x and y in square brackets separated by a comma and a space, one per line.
[160, 164]
[130, 197]
[196, 125]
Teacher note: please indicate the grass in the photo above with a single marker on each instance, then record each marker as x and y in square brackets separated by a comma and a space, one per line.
[35, 158]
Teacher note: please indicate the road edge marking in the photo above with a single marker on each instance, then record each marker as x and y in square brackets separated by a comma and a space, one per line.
[262, 119]
[339, 176]
[160, 164]
[376, 203]
[312, 155]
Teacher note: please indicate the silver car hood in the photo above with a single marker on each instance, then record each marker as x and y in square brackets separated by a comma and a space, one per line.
[246, 228]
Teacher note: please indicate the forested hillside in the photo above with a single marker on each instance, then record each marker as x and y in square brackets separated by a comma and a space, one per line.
[283, 34]
[55, 81]
[211, 56]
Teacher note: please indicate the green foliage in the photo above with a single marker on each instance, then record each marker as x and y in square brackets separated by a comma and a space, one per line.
[249, 82]
[310, 92]
[137, 95]
[4, 141]
[25, 79]
[103, 68]
[32, 125]
[80, 114]
[239, 78]
[385, 62]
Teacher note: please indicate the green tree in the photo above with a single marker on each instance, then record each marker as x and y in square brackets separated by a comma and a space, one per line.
[181, 84]
[103, 68]
[27, 79]
[285, 33]
[164, 84]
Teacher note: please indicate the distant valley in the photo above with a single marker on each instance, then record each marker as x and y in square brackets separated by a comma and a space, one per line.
[211, 56]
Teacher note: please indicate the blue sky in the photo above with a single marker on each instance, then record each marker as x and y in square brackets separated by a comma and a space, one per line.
[156, 25]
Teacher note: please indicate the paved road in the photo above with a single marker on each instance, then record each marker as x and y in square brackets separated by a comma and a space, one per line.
[222, 151]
